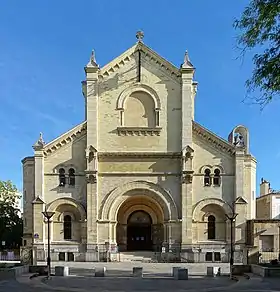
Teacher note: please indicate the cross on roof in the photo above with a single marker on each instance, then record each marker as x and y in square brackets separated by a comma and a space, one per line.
[140, 35]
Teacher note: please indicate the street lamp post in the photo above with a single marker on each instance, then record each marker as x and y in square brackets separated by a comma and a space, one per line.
[232, 220]
[48, 215]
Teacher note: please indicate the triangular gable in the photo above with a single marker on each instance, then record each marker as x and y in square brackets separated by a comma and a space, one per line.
[38, 200]
[117, 63]
[213, 139]
[65, 138]
[241, 200]
[154, 57]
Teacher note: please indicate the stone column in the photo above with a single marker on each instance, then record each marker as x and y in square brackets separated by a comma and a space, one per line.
[38, 232]
[39, 167]
[83, 226]
[186, 214]
[90, 91]
[239, 192]
[188, 95]
[187, 173]
[112, 233]
[92, 236]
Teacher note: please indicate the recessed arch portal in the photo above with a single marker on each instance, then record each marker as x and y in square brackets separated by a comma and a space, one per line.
[113, 201]
[140, 224]
[68, 219]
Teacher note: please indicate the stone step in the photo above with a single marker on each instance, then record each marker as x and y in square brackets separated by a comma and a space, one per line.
[136, 256]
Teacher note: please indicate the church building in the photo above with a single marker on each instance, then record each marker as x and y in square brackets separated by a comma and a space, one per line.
[139, 175]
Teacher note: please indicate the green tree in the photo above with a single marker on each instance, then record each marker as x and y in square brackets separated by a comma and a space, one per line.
[10, 221]
[259, 27]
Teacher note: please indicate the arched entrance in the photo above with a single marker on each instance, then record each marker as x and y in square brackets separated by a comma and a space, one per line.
[140, 224]
[139, 231]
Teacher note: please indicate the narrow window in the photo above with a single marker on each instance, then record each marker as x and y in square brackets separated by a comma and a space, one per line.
[61, 256]
[209, 257]
[211, 227]
[62, 178]
[207, 177]
[217, 256]
[71, 177]
[157, 118]
[70, 256]
[67, 226]
[217, 177]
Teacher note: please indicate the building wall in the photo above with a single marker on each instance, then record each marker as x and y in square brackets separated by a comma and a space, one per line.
[110, 90]
[71, 155]
[263, 207]
[28, 197]
[263, 240]
[207, 156]
[136, 130]
[275, 207]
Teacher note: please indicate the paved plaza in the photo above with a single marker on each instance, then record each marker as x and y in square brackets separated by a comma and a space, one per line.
[157, 277]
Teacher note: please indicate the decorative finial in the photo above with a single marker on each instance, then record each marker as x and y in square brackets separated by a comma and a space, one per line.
[187, 62]
[92, 60]
[40, 143]
[41, 138]
[140, 35]
[186, 58]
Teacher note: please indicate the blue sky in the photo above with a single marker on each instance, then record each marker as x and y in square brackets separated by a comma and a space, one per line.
[45, 45]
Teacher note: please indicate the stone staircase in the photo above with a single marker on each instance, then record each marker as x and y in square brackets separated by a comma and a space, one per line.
[137, 256]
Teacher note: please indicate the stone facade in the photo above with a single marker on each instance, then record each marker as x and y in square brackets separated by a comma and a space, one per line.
[268, 203]
[263, 240]
[139, 150]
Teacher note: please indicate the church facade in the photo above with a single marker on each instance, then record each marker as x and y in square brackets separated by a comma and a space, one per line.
[139, 174]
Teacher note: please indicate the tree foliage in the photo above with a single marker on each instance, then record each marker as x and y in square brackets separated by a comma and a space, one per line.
[10, 221]
[259, 25]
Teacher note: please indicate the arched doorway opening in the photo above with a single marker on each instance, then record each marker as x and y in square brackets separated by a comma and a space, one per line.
[139, 231]
[140, 224]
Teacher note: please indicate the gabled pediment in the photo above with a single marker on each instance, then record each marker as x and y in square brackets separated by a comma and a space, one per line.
[38, 200]
[213, 139]
[65, 139]
[148, 55]
[241, 200]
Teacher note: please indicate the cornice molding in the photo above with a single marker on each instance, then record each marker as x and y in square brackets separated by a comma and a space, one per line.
[151, 56]
[213, 139]
[137, 174]
[176, 155]
[27, 159]
[138, 131]
[65, 139]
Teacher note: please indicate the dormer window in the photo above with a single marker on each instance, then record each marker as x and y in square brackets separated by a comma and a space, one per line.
[207, 177]
[62, 177]
[71, 177]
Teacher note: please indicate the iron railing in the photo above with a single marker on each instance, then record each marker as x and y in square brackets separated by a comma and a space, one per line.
[268, 254]
[9, 255]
